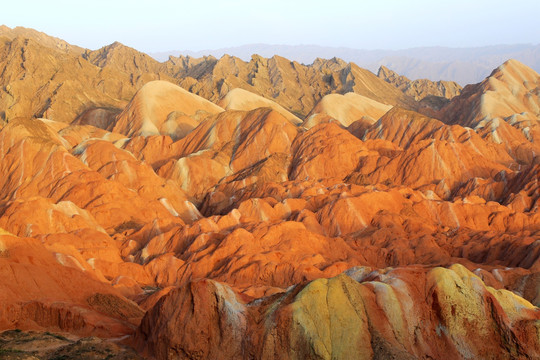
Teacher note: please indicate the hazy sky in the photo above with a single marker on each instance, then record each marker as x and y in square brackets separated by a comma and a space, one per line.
[161, 25]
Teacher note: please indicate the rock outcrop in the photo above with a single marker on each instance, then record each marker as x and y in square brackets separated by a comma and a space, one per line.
[510, 93]
[395, 313]
[161, 107]
[421, 89]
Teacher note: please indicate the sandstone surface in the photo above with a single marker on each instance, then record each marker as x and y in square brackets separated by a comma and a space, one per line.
[135, 209]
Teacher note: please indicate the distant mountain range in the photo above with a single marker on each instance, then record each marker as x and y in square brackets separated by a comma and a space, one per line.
[462, 65]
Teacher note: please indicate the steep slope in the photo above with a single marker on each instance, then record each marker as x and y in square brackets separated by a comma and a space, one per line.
[504, 109]
[294, 86]
[399, 313]
[69, 297]
[275, 78]
[226, 144]
[40, 81]
[40, 37]
[364, 82]
[430, 93]
[464, 65]
[46, 80]
[239, 99]
[57, 174]
[314, 150]
[161, 107]
[349, 107]
[118, 58]
[433, 153]
[511, 89]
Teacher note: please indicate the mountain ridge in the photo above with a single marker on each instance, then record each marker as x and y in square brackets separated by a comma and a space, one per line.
[118, 71]
[469, 65]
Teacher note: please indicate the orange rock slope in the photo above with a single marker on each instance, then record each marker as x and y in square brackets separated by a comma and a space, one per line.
[189, 230]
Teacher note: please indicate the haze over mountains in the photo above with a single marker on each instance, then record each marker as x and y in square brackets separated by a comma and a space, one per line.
[206, 208]
[462, 65]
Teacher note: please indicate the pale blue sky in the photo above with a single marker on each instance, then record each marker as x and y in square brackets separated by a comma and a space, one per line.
[161, 25]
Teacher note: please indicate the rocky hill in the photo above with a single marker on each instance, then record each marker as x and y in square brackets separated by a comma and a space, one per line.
[317, 212]
[420, 89]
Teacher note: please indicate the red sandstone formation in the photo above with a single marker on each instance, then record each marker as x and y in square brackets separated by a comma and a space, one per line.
[368, 230]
